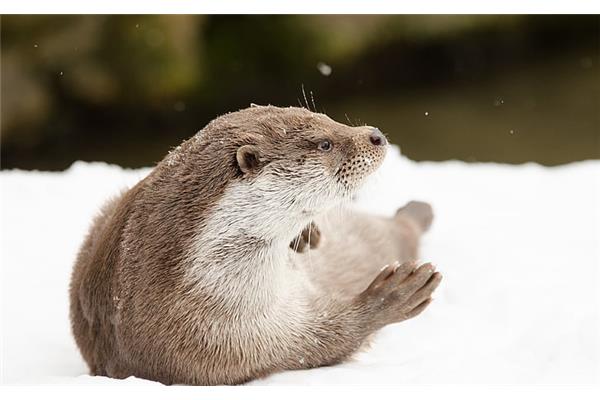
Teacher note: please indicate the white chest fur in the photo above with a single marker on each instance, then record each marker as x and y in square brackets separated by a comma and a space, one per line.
[241, 255]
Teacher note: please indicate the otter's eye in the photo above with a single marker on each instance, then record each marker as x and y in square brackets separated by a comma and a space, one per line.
[325, 145]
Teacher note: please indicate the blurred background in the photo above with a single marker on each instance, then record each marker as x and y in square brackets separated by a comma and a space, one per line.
[125, 89]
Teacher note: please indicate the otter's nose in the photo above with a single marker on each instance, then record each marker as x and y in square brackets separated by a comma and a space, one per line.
[377, 138]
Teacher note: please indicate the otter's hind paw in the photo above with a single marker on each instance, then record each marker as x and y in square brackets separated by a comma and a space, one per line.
[418, 211]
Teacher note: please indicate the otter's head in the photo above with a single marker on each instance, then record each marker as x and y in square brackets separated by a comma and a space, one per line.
[302, 161]
[274, 162]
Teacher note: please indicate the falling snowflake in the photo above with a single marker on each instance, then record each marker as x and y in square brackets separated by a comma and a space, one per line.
[324, 69]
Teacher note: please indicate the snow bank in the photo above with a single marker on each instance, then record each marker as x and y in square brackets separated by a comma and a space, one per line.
[518, 247]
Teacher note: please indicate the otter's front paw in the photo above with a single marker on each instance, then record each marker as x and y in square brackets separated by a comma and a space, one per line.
[309, 238]
[400, 292]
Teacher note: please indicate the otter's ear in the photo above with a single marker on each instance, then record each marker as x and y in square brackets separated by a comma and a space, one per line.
[248, 158]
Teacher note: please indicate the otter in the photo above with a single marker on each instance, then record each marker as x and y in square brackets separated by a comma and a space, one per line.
[231, 260]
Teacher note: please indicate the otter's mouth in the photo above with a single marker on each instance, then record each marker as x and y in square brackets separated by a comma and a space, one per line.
[353, 172]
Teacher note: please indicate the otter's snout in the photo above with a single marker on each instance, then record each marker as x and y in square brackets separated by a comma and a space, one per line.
[368, 154]
[377, 138]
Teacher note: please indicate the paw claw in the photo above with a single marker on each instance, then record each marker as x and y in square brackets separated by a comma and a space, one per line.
[402, 291]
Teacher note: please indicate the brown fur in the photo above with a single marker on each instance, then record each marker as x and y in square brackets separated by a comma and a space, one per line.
[142, 302]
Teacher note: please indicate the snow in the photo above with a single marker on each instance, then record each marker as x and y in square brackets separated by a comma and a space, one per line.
[518, 247]
[324, 69]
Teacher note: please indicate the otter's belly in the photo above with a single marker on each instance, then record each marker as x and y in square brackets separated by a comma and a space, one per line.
[353, 249]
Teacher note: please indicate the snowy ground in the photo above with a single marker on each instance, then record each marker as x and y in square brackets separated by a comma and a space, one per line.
[518, 246]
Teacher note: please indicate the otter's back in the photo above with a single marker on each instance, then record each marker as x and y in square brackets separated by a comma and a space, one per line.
[91, 286]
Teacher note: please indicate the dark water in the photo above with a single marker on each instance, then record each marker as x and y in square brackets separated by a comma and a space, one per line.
[125, 89]
[547, 112]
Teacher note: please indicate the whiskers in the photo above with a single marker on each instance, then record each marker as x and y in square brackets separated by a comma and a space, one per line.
[297, 243]
[309, 246]
[355, 123]
[306, 103]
